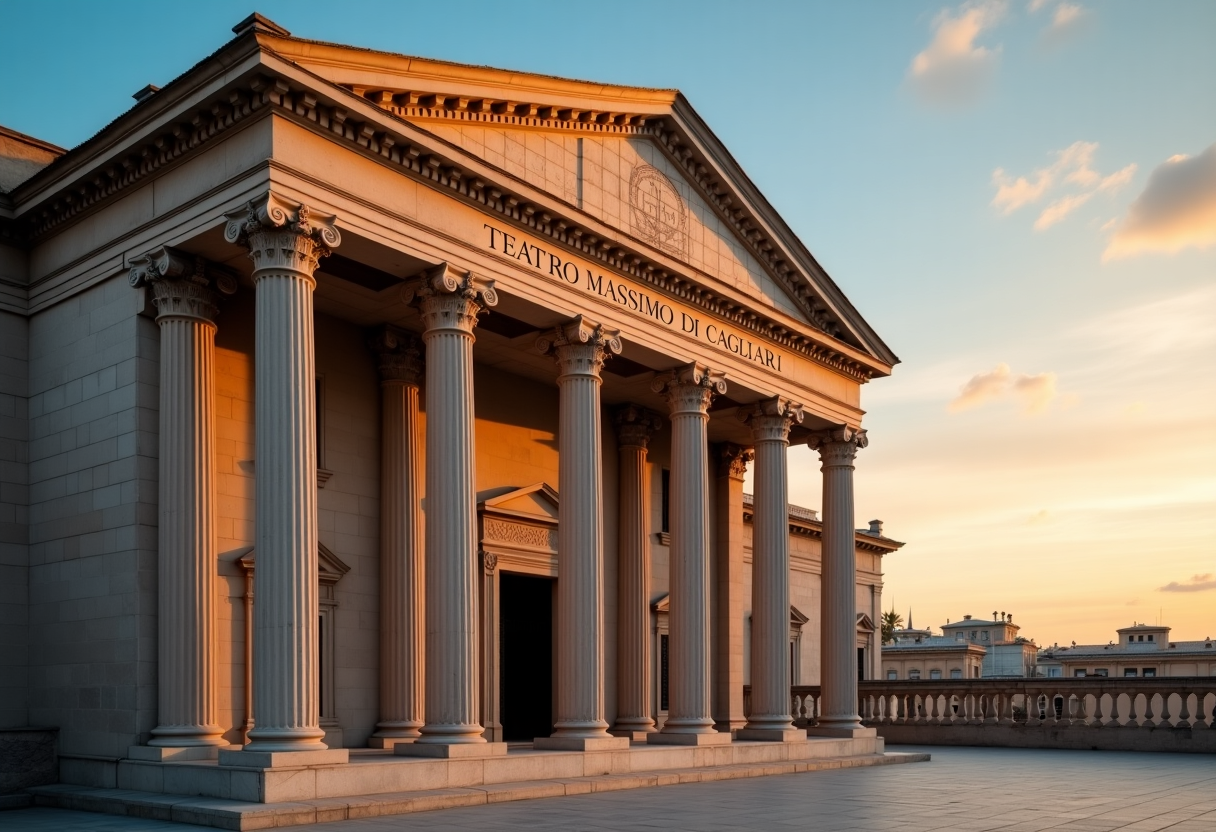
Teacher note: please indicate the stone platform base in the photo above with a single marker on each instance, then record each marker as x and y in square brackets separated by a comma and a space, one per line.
[580, 744]
[546, 780]
[714, 738]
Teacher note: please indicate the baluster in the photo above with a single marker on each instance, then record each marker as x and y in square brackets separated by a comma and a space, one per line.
[1133, 718]
[1164, 722]
[990, 708]
[1097, 718]
[1032, 708]
[1184, 714]
[1114, 710]
[1148, 720]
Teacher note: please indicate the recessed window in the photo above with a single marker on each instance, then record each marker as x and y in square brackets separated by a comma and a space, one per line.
[914, 675]
[1080, 671]
[891, 674]
[1102, 671]
[1129, 671]
[935, 674]
[984, 635]
[1150, 637]
[1053, 671]
[973, 635]
[1142, 638]
[1148, 671]
[956, 673]
[958, 636]
[1131, 639]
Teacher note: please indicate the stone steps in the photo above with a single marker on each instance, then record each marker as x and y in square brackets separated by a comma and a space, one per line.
[240, 815]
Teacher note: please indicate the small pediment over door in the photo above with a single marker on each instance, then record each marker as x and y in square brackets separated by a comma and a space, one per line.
[865, 624]
[519, 530]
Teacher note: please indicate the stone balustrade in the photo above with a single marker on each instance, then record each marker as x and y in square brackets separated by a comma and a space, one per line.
[1161, 714]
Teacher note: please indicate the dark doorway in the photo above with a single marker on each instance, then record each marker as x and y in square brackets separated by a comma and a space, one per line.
[526, 644]
[861, 663]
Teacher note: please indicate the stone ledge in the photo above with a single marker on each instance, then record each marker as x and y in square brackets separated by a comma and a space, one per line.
[241, 815]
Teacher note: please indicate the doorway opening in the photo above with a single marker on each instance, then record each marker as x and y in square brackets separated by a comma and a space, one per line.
[861, 664]
[526, 657]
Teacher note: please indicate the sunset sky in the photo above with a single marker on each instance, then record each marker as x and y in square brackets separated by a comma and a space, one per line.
[1019, 196]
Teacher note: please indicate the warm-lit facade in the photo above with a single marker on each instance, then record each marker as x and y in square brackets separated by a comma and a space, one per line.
[367, 400]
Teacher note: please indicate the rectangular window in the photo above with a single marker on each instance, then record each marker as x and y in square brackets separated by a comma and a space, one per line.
[1148, 671]
[935, 674]
[973, 635]
[1131, 639]
[891, 674]
[1142, 638]
[1129, 671]
[956, 673]
[1103, 671]
[958, 636]
[1150, 637]
[914, 675]
[1053, 671]
[984, 635]
[1080, 671]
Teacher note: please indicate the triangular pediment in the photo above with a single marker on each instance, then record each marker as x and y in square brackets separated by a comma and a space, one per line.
[536, 502]
[865, 624]
[330, 567]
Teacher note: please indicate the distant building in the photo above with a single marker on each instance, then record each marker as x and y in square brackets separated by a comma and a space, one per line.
[1006, 653]
[1139, 650]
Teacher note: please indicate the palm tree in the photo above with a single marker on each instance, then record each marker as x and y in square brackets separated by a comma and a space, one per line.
[891, 621]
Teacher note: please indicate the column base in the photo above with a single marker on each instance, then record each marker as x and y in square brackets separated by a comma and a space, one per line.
[284, 759]
[849, 733]
[581, 743]
[176, 754]
[451, 751]
[715, 738]
[771, 735]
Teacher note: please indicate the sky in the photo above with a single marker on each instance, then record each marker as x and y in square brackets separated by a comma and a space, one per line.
[1019, 196]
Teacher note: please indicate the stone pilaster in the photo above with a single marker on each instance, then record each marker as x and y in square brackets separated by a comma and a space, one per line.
[732, 461]
[185, 291]
[402, 599]
[450, 301]
[770, 718]
[634, 427]
[690, 721]
[838, 654]
[285, 242]
[580, 348]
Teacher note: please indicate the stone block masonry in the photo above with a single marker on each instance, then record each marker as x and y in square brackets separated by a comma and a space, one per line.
[93, 411]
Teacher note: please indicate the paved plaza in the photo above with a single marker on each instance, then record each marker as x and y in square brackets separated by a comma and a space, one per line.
[963, 790]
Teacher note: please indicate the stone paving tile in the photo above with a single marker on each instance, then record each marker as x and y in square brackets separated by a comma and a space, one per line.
[962, 790]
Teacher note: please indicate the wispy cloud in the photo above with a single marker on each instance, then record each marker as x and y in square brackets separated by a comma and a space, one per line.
[1067, 18]
[1176, 210]
[954, 70]
[1035, 392]
[1071, 179]
[1197, 583]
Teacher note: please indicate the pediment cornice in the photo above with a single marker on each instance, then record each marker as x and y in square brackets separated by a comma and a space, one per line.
[277, 86]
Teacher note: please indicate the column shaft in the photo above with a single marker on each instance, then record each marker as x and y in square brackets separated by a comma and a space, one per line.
[186, 620]
[285, 244]
[634, 427]
[450, 304]
[770, 655]
[729, 615]
[689, 392]
[838, 669]
[402, 602]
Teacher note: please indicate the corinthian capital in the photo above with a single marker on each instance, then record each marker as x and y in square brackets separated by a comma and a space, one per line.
[690, 389]
[838, 446]
[281, 234]
[581, 346]
[399, 353]
[771, 419]
[450, 299]
[183, 285]
[635, 425]
[733, 460]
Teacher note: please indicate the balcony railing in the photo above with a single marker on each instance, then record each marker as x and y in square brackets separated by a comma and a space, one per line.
[1165, 713]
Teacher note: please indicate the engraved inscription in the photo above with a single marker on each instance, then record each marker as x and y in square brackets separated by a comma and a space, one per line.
[521, 535]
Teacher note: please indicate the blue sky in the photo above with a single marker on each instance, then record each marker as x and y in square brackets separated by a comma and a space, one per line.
[1076, 474]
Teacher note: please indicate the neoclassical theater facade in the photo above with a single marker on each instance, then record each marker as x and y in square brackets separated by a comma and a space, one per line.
[352, 399]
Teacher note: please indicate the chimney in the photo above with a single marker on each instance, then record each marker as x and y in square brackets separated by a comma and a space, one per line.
[876, 528]
[966, 618]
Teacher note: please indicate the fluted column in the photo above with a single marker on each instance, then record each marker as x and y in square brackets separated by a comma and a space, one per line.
[450, 302]
[184, 293]
[770, 718]
[580, 348]
[690, 721]
[838, 663]
[732, 461]
[285, 241]
[402, 605]
[634, 427]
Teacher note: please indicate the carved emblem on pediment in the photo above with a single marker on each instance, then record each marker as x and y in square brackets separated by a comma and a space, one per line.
[520, 534]
[657, 211]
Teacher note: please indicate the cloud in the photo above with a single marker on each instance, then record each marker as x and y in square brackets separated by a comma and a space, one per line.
[1035, 392]
[1176, 210]
[953, 70]
[1071, 179]
[1197, 583]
